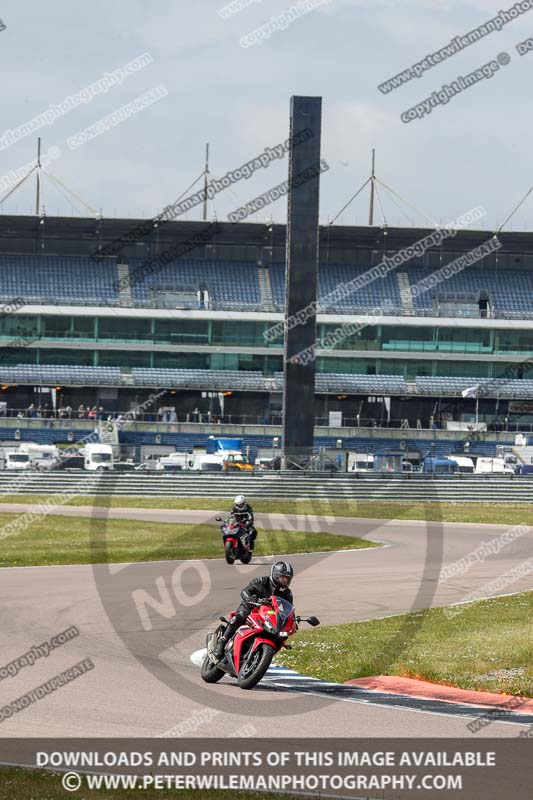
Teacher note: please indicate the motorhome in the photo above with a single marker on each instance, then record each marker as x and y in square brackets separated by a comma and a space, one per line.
[31, 456]
[97, 456]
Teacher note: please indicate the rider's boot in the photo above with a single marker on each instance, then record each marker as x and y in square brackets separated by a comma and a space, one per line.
[231, 627]
[218, 652]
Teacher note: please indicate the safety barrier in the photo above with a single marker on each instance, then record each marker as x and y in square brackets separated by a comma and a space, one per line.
[420, 488]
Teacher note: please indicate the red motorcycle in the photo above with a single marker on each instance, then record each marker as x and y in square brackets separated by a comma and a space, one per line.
[237, 538]
[249, 654]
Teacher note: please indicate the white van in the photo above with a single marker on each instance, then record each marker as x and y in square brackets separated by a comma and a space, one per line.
[97, 456]
[495, 465]
[32, 456]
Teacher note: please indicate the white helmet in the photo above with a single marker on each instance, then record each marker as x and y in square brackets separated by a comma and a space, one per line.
[240, 501]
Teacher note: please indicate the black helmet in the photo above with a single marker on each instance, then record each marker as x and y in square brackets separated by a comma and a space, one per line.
[281, 574]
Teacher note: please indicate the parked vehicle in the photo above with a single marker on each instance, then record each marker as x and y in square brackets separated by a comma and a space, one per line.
[231, 454]
[465, 465]
[486, 465]
[235, 462]
[173, 462]
[249, 654]
[360, 462]
[31, 456]
[97, 456]
[439, 466]
[236, 537]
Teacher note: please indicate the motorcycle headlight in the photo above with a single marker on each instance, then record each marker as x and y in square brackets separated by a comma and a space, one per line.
[283, 635]
[267, 625]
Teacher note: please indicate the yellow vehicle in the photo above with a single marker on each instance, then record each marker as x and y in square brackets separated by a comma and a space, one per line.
[236, 462]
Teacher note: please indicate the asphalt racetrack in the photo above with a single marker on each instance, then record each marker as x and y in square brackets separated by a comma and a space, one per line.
[144, 682]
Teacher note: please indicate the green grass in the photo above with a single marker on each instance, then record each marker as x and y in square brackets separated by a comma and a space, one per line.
[67, 540]
[461, 650]
[29, 784]
[503, 513]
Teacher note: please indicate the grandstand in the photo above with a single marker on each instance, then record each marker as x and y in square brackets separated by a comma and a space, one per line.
[108, 330]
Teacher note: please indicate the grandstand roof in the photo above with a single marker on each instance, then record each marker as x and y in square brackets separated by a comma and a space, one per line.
[82, 235]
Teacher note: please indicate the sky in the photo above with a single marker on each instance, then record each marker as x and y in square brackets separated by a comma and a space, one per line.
[475, 150]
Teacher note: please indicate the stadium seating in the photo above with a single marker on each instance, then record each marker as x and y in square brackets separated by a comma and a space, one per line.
[488, 387]
[354, 384]
[509, 291]
[383, 292]
[58, 279]
[71, 376]
[255, 381]
[199, 378]
[234, 283]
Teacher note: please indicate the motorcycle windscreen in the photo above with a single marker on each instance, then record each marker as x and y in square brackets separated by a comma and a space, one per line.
[285, 609]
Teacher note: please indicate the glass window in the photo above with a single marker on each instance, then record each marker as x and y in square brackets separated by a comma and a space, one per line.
[70, 357]
[123, 358]
[55, 327]
[14, 325]
[247, 333]
[124, 329]
[181, 360]
[83, 327]
[193, 331]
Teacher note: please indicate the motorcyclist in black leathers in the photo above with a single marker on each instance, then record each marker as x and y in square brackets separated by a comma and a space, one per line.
[243, 512]
[277, 584]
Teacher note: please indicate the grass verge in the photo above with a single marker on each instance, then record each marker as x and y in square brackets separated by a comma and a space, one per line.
[503, 513]
[487, 646]
[79, 540]
[29, 784]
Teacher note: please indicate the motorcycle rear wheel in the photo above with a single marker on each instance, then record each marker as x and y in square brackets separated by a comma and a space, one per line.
[246, 558]
[230, 553]
[255, 666]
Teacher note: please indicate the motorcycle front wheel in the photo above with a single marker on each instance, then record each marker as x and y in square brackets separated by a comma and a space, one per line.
[210, 672]
[254, 666]
[230, 553]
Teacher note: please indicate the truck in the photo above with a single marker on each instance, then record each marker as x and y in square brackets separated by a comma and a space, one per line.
[173, 462]
[440, 466]
[97, 456]
[487, 465]
[465, 465]
[31, 456]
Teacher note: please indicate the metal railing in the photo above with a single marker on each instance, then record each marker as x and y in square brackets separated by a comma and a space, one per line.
[272, 420]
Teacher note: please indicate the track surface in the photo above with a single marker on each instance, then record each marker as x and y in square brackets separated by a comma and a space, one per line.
[123, 697]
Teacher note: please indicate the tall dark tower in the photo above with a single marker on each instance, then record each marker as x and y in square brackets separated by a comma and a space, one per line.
[301, 277]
